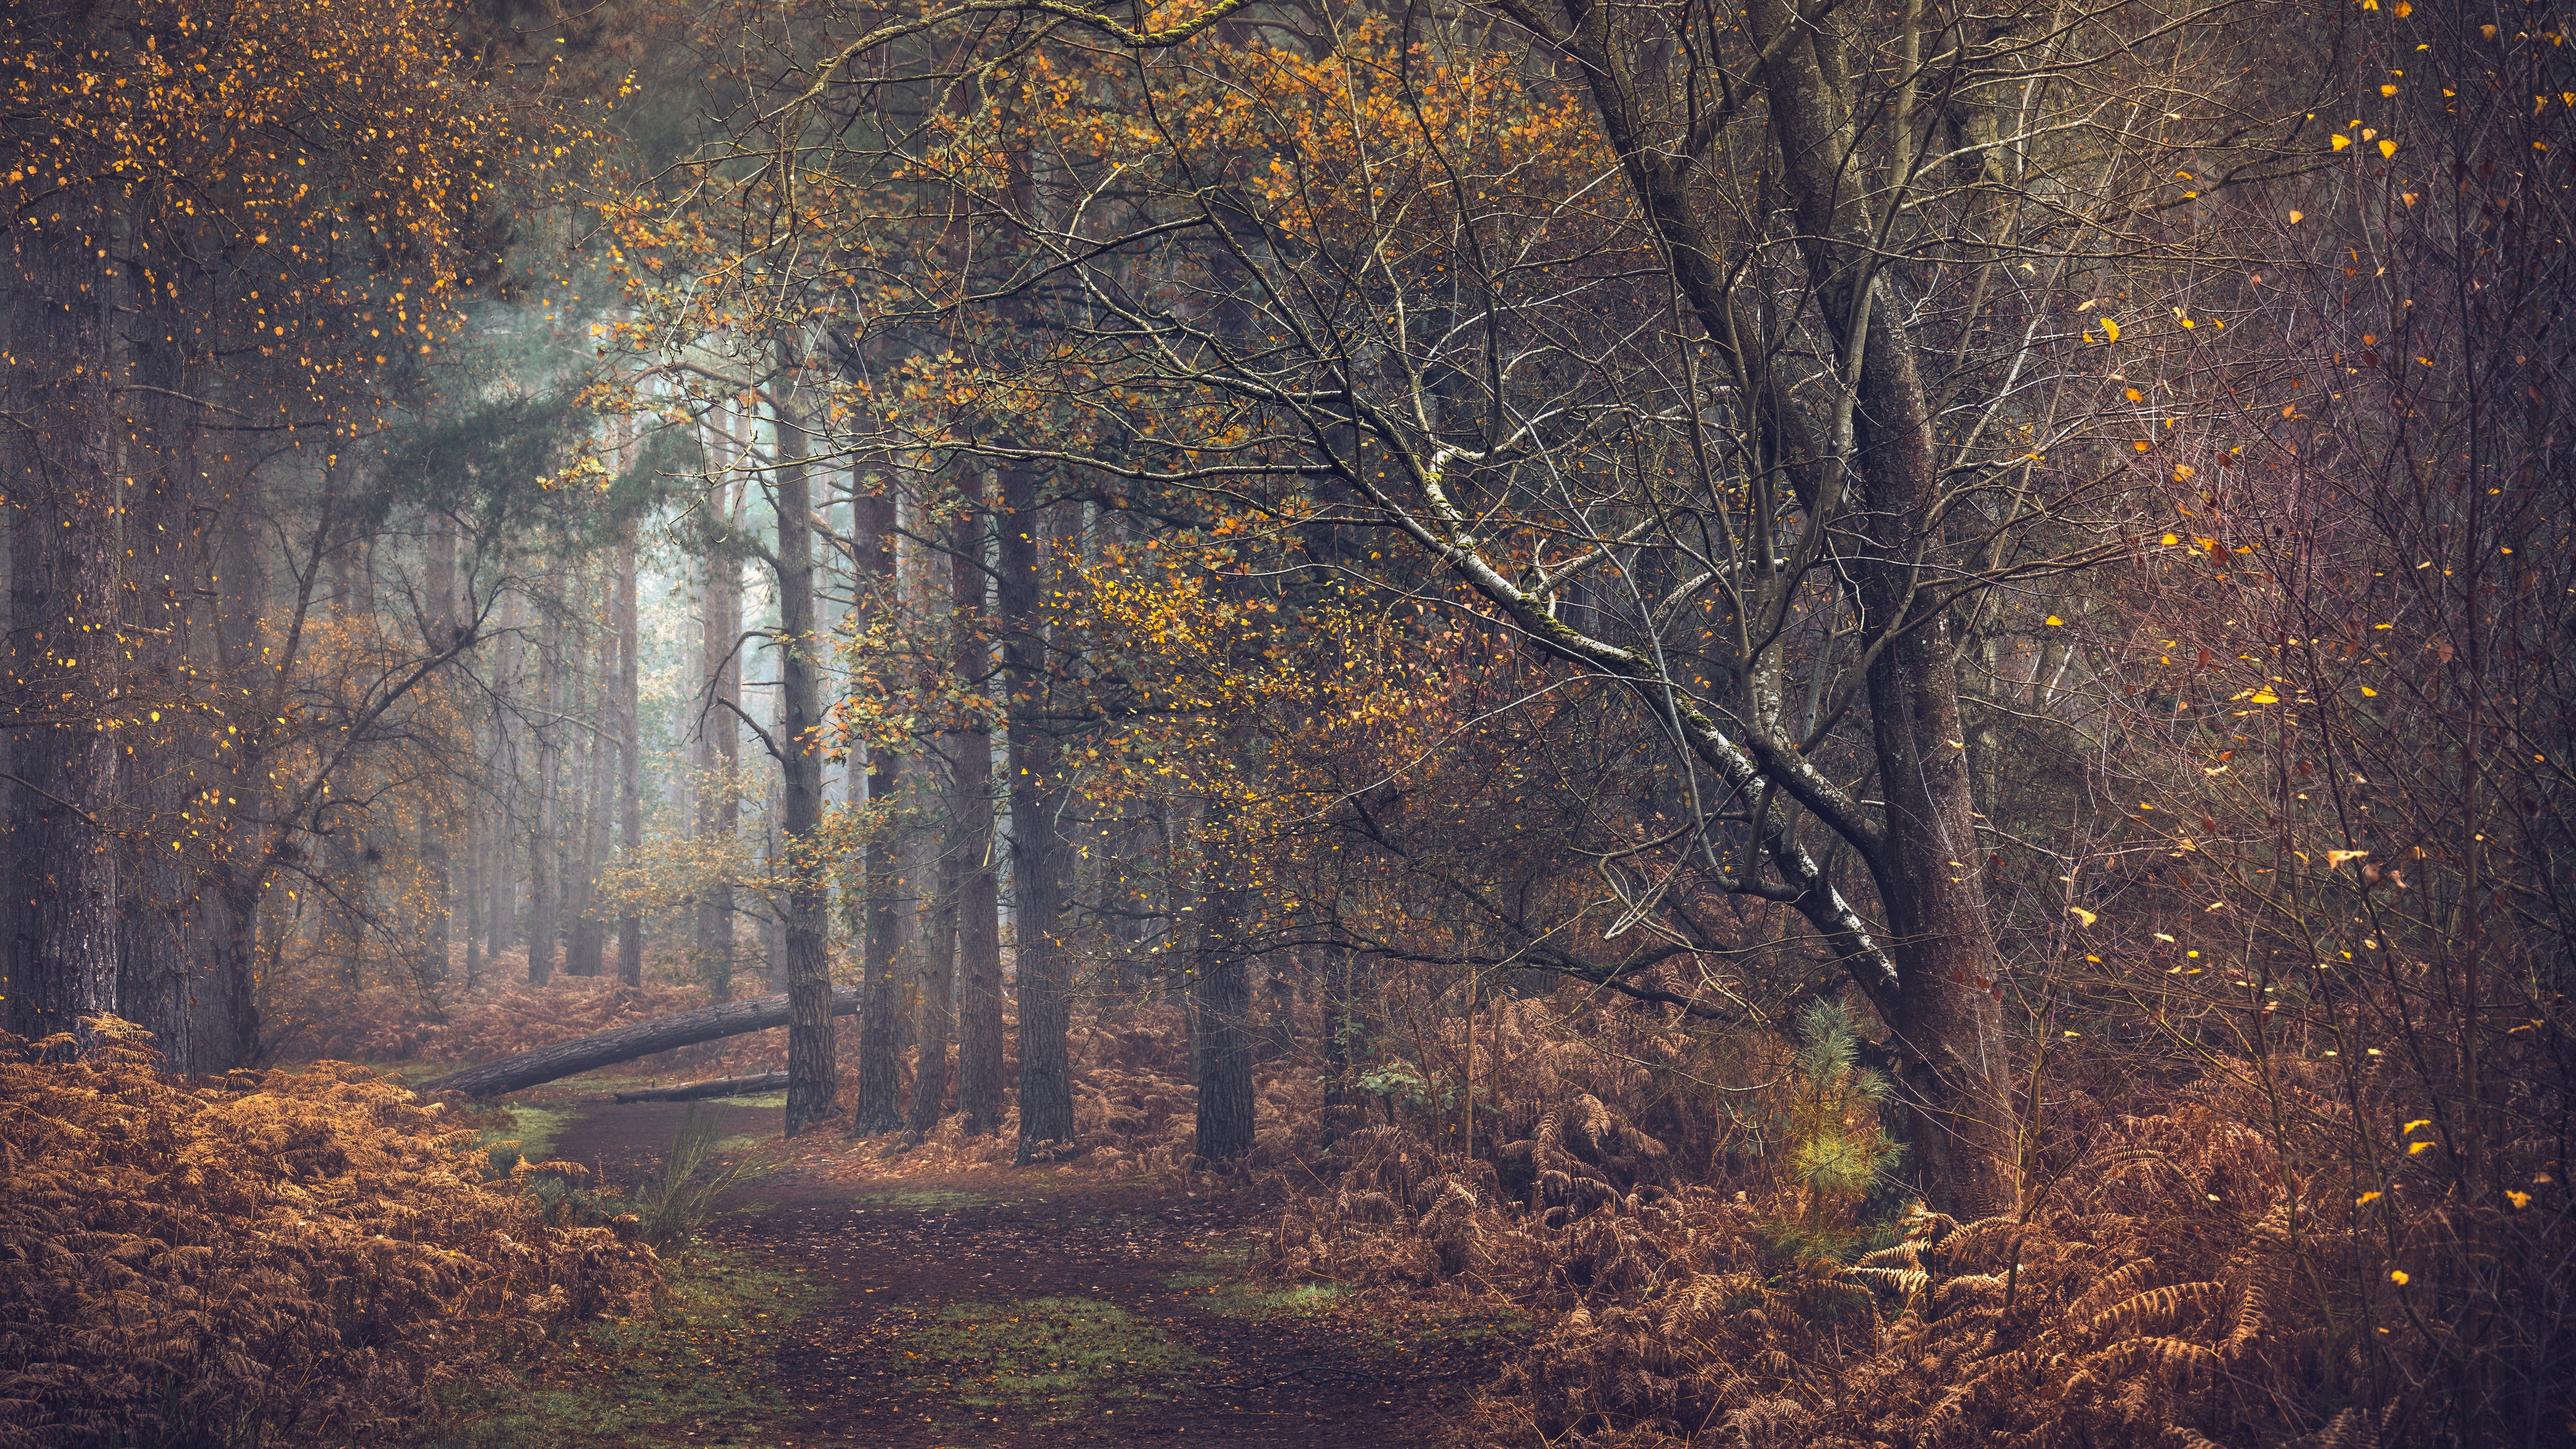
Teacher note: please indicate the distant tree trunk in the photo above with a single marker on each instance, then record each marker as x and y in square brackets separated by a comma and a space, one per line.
[440, 619]
[872, 527]
[1038, 851]
[979, 925]
[630, 764]
[1220, 998]
[805, 919]
[938, 978]
[586, 952]
[343, 820]
[719, 737]
[501, 884]
[1339, 1116]
[471, 891]
[542, 843]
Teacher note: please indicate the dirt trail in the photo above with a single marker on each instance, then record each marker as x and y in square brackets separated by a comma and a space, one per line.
[996, 1309]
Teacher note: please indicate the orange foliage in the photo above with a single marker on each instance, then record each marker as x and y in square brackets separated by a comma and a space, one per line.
[273, 1258]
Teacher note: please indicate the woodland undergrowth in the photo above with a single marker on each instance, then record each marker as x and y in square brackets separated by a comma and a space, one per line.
[271, 1257]
[2173, 1276]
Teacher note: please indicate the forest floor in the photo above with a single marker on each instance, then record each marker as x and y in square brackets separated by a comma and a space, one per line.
[851, 1298]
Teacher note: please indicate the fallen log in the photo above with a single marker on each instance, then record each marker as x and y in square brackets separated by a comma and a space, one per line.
[626, 1043]
[715, 1087]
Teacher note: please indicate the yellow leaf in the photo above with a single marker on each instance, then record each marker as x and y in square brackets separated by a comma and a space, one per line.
[2369, 693]
[2265, 696]
[2414, 1147]
[2135, 395]
[2420, 1121]
[2055, 621]
[2081, 914]
[2388, 90]
[2110, 329]
[2366, 1199]
[2387, 148]
[2403, 9]
[2340, 142]
[2520, 1200]
[2397, 1276]
[2297, 216]
[2169, 540]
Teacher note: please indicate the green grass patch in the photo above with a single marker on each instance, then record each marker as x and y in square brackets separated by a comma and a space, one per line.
[1057, 1360]
[531, 1132]
[697, 1371]
[1246, 1300]
[927, 1199]
[1225, 1286]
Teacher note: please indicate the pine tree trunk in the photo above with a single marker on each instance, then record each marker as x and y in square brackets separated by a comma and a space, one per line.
[805, 918]
[1038, 850]
[626, 1043]
[719, 737]
[979, 926]
[542, 843]
[879, 1109]
[938, 978]
[630, 764]
[1220, 999]
[438, 579]
[587, 953]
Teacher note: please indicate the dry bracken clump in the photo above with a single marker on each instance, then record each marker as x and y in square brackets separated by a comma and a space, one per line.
[2169, 1281]
[266, 1259]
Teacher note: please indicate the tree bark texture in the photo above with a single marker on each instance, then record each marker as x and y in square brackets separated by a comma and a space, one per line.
[1038, 848]
[63, 869]
[938, 978]
[719, 732]
[1948, 1016]
[979, 923]
[879, 1108]
[804, 919]
[1220, 1000]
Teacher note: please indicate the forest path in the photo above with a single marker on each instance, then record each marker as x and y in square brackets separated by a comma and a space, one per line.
[993, 1308]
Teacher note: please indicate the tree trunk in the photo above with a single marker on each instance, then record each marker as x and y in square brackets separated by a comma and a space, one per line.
[1220, 998]
[872, 527]
[630, 764]
[979, 924]
[1038, 851]
[938, 977]
[719, 738]
[1341, 1110]
[804, 919]
[438, 579]
[501, 884]
[541, 834]
[63, 599]
[699, 1091]
[626, 1043]
[1948, 1016]
[585, 951]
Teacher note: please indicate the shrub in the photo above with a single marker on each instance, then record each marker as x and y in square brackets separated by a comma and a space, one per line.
[266, 1259]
